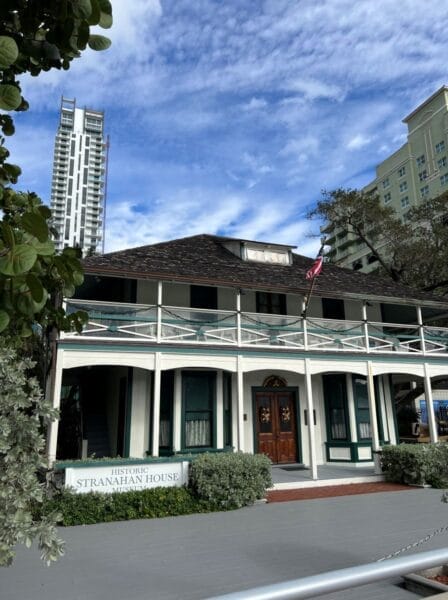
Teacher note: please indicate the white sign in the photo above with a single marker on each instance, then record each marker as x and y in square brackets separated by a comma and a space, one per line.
[123, 478]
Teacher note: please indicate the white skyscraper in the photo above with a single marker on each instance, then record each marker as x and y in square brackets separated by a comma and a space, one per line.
[78, 191]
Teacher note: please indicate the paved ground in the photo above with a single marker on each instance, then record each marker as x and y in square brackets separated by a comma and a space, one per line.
[198, 556]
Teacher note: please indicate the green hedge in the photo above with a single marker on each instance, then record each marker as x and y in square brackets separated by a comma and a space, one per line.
[416, 464]
[228, 481]
[86, 509]
[217, 482]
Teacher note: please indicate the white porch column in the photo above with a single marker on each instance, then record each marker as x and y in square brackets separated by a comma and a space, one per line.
[55, 399]
[219, 410]
[373, 414]
[351, 408]
[156, 405]
[311, 430]
[240, 403]
[390, 410]
[433, 435]
[177, 410]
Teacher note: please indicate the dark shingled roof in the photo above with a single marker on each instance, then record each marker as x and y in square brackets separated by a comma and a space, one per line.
[202, 259]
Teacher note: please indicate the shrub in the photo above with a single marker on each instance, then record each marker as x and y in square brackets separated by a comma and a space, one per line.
[86, 509]
[228, 481]
[416, 464]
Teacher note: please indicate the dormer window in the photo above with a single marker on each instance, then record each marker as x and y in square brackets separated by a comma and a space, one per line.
[271, 254]
[268, 256]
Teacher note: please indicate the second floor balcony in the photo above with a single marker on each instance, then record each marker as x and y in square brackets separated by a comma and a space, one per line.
[171, 325]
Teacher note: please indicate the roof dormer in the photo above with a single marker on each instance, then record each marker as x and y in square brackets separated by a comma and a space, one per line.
[260, 252]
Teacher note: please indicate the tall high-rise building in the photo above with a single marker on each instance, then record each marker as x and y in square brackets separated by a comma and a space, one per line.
[416, 171]
[78, 192]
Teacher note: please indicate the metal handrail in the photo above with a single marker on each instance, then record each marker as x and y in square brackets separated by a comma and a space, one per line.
[342, 579]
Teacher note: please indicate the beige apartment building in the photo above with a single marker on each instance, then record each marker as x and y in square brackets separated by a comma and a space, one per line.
[416, 171]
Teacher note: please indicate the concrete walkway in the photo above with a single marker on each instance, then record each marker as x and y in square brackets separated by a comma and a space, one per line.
[198, 556]
[290, 477]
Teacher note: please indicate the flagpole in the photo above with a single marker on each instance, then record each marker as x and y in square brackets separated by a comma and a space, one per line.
[308, 297]
[311, 288]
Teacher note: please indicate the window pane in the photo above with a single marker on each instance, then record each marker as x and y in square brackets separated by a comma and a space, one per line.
[199, 406]
[362, 408]
[335, 395]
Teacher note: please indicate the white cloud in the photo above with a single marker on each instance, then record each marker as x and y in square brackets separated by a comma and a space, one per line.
[255, 104]
[359, 141]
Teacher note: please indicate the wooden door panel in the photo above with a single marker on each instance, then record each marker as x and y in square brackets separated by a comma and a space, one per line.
[265, 425]
[276, 426]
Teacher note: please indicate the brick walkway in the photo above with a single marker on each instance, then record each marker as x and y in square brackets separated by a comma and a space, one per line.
[330, 491]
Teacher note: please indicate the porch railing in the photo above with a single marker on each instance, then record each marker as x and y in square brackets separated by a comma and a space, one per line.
[179, 325]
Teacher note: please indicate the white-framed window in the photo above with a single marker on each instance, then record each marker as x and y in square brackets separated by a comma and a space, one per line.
[420, 160]
[403, 186]
[423, 175]
[440, 147]
[405, 201]
[444, 179]
[386, 183]
[441, 162]
[424, 191]
[401, 171]
[387, 198]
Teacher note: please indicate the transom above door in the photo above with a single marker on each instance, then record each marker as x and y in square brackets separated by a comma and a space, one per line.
[276, 425]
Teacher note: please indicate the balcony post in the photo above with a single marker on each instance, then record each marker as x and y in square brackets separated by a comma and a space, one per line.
[156, 405]
[311, 431]
[159, 310]
[421, 329]
[433, 435]
[304, 326]
[365, 326]
[238, 317]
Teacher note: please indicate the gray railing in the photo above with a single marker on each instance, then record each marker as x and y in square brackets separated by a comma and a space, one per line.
[342, 579]
[180, 325]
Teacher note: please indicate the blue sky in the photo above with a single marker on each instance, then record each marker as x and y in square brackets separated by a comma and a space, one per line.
[231, 116]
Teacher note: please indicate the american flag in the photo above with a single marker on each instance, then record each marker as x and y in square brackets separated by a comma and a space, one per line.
[315, 268]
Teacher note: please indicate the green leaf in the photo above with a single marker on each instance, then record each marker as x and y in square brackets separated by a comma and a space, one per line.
[43, 248]
[106, 19]
[82, 8]
[35, 286]
[12, 172]
[10, 97]
[44, 211]
[4, 320]
[36, 225]
[25, 304]
[7, 235]
[99, 42]
[83, 34]
[9, 51]
[18, 260]
[7, 125]
[95, 16]
[25, 330]
[105, 6]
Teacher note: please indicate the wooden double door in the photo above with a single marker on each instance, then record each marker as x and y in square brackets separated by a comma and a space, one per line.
[276, 425]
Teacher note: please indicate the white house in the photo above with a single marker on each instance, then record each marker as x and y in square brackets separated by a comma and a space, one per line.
[201, 344]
